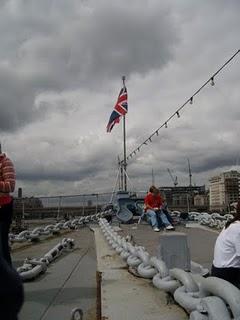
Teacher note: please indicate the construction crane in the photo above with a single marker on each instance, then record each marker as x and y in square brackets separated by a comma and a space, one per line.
[190, 174]
[174, 179]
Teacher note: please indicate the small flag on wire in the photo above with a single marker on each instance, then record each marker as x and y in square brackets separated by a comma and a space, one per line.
[120, 109]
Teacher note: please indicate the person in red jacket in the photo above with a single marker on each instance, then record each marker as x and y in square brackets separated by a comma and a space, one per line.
[11, 288]
[7, 186]
[153, 208]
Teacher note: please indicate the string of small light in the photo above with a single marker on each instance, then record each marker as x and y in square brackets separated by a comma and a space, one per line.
[190, 100]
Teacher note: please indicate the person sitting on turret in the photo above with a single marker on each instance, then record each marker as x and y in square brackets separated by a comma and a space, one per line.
[152, 207]
[226, 262]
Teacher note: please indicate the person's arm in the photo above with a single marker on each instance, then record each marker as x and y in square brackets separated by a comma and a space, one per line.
[7, 184]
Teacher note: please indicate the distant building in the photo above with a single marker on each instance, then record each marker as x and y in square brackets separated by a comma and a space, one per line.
[201, 200]
[89, 203]
[22, 204]
[182, 197]
[223, 190]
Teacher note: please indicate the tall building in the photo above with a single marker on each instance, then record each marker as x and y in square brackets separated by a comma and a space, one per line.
[223, 190]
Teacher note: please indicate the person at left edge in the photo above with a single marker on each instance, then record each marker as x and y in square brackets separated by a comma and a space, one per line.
[11, 288]
[7, 186]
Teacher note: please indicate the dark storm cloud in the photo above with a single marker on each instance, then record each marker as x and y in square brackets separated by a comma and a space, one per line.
[16, 101]
[227, 159]
[125, 39]
[76, 44]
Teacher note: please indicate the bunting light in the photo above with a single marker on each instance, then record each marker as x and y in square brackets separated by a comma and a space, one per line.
[211, 80]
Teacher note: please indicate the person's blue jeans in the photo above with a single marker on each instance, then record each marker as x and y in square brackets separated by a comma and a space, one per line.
[169, 217]
[152, 217]
[163, 219]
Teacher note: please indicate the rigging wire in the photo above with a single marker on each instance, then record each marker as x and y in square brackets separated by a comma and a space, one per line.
[190, 100]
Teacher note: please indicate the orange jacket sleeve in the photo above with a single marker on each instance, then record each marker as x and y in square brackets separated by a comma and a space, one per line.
[7, 183]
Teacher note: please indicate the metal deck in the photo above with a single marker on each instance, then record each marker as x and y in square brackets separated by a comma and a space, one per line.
[125, 296]
[71, 280]
[201, 240]
[68, 283]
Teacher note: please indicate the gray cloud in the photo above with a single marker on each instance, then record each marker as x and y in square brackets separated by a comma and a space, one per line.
[220, 160]
[75, 45]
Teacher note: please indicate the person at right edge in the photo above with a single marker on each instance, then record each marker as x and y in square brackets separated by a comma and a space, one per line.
[226, 262]
[11, 288]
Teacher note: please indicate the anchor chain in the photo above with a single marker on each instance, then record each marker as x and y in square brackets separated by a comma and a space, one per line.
[32, 268]
[203, 298]
[52, 229]
[214, 220]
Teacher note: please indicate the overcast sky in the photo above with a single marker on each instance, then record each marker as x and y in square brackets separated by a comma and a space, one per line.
[61, 64]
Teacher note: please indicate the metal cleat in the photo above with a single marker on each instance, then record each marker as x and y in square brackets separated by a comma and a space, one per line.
[77, 314]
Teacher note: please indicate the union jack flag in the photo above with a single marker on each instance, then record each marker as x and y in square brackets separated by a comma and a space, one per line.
[120, 109]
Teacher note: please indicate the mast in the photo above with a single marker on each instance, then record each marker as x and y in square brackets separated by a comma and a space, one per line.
[190, 186]
[153, 180]
[190, 174]
[124, 147]
[120, 182]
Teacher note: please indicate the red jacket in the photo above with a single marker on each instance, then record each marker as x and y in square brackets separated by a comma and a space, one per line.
[151, 201]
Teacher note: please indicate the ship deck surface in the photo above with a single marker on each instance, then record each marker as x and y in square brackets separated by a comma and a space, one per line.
[201, 240]
[70, 281]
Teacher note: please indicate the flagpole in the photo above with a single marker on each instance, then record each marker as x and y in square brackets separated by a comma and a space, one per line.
[121, 168]
[124, 146]
[120, 179]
